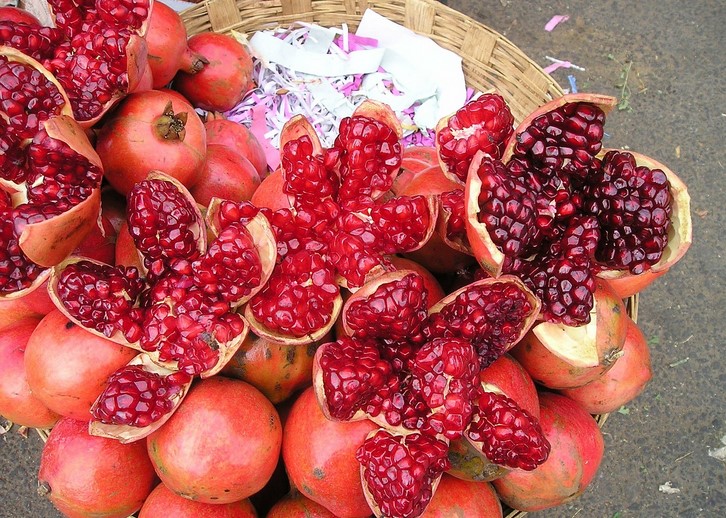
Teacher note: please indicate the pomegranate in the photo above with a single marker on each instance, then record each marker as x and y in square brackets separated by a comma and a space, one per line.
[225, 174]
[456, 497]
[162, 501]
[49, 186]
[166, 41]
[319, 456]
[151, 131]
[230, 435]
[138, 399]
[577, 449]
[35, 304]
[67, 367]
[238, 138]
[224, 80]
[113, 207]
[269, 193]
[17, 15]
[107, 466]
[17, 403]
[483, 124]
[276, 370]
[126, 253]
[620, 384]
[297, 505]
[560, 356]
[433, 287]
[100, 243]
[400, 473]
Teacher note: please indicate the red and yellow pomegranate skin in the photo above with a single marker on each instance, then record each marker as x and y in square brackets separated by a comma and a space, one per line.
[67, 366]
[297, 505]
[221, 445]
[164, 502]
[86, 476]
[225, 174]
[577, 448]
[463, 498]
[17, 402]
[319, 455]
[239, 139]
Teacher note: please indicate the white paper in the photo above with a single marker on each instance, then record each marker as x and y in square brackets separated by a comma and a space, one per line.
[418, 62]
[271, 49]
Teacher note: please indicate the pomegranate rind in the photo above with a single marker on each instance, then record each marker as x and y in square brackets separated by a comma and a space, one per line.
[605, 102]
[559, 356]
[263, 331]
[55, 274]
[299, 126]
[319, 389]
[680, 230]
[487, 254]
[227, 350]
[381, 112]
[528, 322]
[125, 433]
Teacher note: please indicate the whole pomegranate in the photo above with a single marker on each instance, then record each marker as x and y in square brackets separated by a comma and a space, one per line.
[297, 505]
[456, 497]
[238, 138]
[164, 502]
[35, 304]
[577, 449]
[166, 41]
[221, 445]
[84, 475]
[68, 367]
[17, 402]
[227, 175]
[224, 81]
[150, 131]
[319, 455]
[623, 382]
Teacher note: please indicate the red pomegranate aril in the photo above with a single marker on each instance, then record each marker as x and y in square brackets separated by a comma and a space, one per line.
[101, 297]
[395, 311]
[400, 473]
[483, 124]
[446, 375]
[352, 372]
[507, 434]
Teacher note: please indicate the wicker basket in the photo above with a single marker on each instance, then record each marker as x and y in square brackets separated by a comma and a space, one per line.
[490, 61]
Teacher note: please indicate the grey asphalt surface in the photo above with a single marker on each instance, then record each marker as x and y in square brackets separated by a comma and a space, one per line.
[678, 116]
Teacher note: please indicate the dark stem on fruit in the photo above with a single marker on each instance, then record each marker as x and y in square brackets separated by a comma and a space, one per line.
[170, 125]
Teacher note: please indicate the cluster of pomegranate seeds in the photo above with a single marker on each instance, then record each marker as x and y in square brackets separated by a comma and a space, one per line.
[563, 141]
[394, 312]
[137, 397]
[17, 272]
[490, 315]
[164, 224]
[369, 152]
[446, 375]
[452, 205]
[507, 434]
[353, 372]
[104, 298]
[299, 298]
[399, 472]
[633, 205]
[483, 124]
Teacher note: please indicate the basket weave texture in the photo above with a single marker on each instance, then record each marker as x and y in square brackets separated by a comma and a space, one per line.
[489, 60]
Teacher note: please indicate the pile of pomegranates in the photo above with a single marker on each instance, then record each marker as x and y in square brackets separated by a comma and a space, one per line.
[368, 330]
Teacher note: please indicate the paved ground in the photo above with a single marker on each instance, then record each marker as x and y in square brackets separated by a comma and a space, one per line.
[675, 53]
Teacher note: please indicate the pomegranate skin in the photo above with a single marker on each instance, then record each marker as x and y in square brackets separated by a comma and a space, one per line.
[625, 380]
[577, 450]
[319, 455]
[68, 367]
[456, 497]
[135, 140]
[227, 175]
[164, 502]
[224, 81]
[17, 402]
[86, 476]
[238, 138]
[221, 445]
[35, 304]
[17, 15]
[296, 505]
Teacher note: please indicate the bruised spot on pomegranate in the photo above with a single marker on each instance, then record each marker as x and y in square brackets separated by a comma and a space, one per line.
[69, 325]
[318, 473]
